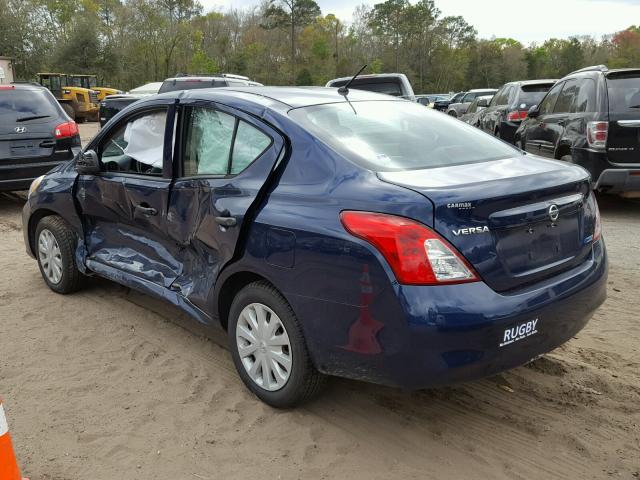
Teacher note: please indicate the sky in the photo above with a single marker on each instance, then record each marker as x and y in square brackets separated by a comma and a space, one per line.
[526, 21]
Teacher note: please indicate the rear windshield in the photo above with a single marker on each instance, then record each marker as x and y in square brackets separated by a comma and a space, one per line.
[387, 86]
[21, 106]
[532, 94]
[190, 84]
[624, 93]
[389, 136]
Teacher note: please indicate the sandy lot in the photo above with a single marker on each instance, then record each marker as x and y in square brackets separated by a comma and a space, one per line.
[108, 383]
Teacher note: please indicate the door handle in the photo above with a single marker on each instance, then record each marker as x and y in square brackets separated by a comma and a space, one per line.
[226, 221]
[145, 209]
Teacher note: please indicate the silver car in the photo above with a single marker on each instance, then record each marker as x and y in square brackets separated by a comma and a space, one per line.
[458, 109]
[472, 117]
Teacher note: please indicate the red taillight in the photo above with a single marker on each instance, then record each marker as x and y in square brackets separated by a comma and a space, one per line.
[65, 130]
[417, 255]
[517, 115]
[597, 134]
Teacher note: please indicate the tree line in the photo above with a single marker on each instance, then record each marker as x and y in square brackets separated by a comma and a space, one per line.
[283, 42]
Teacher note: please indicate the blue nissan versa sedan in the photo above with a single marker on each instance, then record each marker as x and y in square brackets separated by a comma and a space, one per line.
[347, 234]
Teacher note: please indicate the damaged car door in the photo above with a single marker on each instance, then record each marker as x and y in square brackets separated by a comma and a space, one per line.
[223, 161]
[124, 206]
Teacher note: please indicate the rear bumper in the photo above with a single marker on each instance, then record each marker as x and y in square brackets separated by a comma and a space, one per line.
[416, 337]
[618, 180]
[606, 176]
[18, 176]
[508, 131]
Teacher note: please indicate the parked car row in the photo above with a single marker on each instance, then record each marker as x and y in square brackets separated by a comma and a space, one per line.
[590, 118]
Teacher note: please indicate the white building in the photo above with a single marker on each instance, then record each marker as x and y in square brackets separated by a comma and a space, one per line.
[6, 70]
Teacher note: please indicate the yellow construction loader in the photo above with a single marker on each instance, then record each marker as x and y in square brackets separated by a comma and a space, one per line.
[90, 82]
[81, 104]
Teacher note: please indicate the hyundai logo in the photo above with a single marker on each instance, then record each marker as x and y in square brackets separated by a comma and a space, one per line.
[20, 129]
[554, 213]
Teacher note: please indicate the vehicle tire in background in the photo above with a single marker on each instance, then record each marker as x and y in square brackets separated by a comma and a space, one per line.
[452, 113]
[268, 348]
[68, 109]
[55, 246]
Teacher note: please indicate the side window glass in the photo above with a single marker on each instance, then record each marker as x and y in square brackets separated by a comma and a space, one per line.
[208, 142]
[550, 100]
[249, 145]
[496, 97]
[565, 99]
[509, 98]
[585, 99]
[136, 147]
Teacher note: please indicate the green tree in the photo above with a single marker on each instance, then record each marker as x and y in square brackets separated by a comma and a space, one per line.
[291, 14]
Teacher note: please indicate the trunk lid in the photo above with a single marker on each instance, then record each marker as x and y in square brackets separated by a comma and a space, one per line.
[29, 140]
[623, 140]
[498, 214]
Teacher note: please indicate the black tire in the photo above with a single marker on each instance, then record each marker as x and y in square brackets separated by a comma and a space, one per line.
[304, 381]
[68, 109]
[71, 279]
[452, 113]
[81, 119]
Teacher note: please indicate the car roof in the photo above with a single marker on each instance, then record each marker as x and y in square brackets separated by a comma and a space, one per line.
[475, 90]
[23, 86]
[285, 97]
[369, 75]
[539, 81]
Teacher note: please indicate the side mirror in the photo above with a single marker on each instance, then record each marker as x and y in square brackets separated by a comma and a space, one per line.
[483, 102]
[88, 163]
[533, 112]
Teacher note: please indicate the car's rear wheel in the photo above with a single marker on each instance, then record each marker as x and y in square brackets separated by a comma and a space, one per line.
[55, 250]
[452, 113]
[268, 348]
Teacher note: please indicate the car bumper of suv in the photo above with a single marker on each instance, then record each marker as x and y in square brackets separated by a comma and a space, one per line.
[508, 131]
[416, 337]
[618, 180]
[18, 176]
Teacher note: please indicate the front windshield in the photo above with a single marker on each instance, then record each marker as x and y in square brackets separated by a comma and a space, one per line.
[388, 136]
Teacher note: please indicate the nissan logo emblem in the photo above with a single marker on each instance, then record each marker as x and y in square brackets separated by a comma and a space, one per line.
[554, 213]
[20, 129]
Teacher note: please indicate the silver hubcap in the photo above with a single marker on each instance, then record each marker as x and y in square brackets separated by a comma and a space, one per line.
[263, 345]
[49, 256]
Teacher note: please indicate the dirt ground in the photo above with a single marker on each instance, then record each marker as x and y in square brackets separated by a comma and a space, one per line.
[108, 383]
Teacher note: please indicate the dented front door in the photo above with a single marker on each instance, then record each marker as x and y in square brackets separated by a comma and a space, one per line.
[124, 207]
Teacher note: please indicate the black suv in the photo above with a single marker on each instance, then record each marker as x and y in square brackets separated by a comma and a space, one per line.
[442, 105]
[591, 117]
[509, 107]
[113, 104]
[35, 135]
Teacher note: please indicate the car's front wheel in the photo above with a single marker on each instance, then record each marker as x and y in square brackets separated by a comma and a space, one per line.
[55, 250]
[268, 348]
